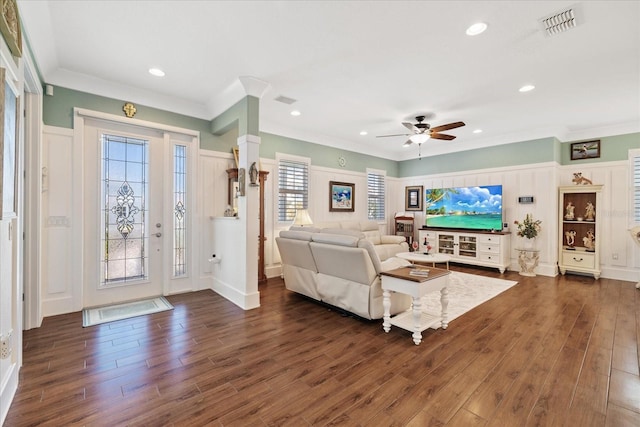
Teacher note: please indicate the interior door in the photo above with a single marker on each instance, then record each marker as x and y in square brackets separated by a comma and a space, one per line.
[124, 238]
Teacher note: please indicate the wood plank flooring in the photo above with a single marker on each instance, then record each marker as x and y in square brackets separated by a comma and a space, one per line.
[547, 352]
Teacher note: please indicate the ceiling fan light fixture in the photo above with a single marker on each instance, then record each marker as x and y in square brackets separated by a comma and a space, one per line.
[156, 72]
[477, 28]
[419, 138]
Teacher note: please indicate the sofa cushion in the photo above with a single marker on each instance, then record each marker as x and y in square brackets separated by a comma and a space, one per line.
[308, 229]
[297, 235]
[343, 232]
[336, 239]
[375, 259]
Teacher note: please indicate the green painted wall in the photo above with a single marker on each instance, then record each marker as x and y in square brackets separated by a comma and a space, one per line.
[612, 148]
[520, 153]
[221, 133]
[322, 155]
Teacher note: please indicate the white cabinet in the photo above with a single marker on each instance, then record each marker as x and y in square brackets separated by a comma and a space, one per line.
[579, 229]
[477, 248]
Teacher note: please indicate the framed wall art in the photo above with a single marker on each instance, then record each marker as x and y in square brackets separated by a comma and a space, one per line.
[10, 26]
[413, 198]
[341, 196]
[585, 150]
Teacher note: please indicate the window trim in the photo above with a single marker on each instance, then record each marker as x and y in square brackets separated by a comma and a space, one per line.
[292, 158]
[382, 173]
[634, 174]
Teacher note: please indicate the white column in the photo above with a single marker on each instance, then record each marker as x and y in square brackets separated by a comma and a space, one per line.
[249, 212]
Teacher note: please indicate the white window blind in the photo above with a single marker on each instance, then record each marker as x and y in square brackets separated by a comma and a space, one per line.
[375, 195]
[635, 170]
[293, 188]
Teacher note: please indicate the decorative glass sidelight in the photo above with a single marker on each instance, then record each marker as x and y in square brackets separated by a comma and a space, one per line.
[125, 189]
[179, 210]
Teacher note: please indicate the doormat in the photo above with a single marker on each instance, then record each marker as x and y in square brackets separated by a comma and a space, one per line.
[111, 313]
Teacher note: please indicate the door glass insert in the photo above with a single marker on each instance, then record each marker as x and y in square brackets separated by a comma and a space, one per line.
[124, 209]
[179, 210]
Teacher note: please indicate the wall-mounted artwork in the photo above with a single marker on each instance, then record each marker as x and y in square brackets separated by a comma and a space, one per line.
[341, 196]
[10, 26]
[413, 198]
[585, 150]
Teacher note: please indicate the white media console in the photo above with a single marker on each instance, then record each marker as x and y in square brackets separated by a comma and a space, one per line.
[486, 249]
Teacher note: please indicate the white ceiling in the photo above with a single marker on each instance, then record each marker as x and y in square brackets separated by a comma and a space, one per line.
[356, 65]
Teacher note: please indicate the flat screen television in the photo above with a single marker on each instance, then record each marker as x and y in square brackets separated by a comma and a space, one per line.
[465, 208]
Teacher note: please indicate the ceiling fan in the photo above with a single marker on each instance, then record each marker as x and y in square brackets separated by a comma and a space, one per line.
[423, 131]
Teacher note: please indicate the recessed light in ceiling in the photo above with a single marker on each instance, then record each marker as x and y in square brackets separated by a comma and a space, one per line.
[477, 28]
[156, 72]
[364, 132]
[295, 113]
[477, 131]
[527, 88]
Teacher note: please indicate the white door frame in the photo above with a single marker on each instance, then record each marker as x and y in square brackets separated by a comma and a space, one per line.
[78, 250]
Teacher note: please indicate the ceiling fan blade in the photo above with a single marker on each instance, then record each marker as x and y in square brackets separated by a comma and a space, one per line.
[408, 143]
[410, 126]
[447, 126]
[397, 134]
[442, 136]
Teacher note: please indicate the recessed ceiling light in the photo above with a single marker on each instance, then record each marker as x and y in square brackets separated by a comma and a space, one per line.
[364, 132]
[156, 72]
[477, 131]
[477, 28]
[527, 88]
[295, 113]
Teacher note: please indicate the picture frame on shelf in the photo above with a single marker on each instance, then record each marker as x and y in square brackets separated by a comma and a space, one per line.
[341, 196]
[413, 198]
[585, 150]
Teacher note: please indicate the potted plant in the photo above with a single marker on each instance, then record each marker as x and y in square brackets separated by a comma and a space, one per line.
[528, 229]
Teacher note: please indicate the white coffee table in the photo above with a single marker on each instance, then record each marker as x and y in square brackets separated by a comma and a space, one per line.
[421, 257]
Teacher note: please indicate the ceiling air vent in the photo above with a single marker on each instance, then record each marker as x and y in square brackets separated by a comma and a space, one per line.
[560, 22]
[285, 100]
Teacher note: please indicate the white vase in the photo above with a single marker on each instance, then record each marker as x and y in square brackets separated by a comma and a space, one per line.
[529, 243]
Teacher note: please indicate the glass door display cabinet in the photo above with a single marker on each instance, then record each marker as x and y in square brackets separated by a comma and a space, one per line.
[579, 229]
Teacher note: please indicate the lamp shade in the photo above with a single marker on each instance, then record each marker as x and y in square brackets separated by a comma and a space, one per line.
[419, 138]
[302, 218]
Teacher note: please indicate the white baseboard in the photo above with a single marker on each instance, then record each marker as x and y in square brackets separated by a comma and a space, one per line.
[242, 300]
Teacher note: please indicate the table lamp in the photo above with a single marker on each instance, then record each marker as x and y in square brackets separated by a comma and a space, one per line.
[302, 218]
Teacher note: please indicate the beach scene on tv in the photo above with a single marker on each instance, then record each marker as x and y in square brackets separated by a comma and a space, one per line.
[474, 208]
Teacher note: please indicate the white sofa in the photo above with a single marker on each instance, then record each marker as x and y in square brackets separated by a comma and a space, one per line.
[342, 266]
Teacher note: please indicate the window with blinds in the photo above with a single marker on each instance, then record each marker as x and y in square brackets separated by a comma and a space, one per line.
[635, 173]
[293, 188]
[375, 195]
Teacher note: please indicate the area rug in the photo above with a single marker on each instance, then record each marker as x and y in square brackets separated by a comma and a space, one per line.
[111, 313]
[466, 291]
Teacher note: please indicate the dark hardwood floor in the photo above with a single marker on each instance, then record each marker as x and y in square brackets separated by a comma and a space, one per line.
[548, 351]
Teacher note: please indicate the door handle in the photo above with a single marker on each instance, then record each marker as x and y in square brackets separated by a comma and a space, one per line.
[158, 234]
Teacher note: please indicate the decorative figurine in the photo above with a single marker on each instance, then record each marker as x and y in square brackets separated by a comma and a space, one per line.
[579, 179]
[589, 241]
[569, 211]
[570, 237]
[590, 212]
[253, 174]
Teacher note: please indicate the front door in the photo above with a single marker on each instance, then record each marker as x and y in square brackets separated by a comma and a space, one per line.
[124, 230]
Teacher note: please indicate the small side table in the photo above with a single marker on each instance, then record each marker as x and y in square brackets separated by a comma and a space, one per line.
[528, 260]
